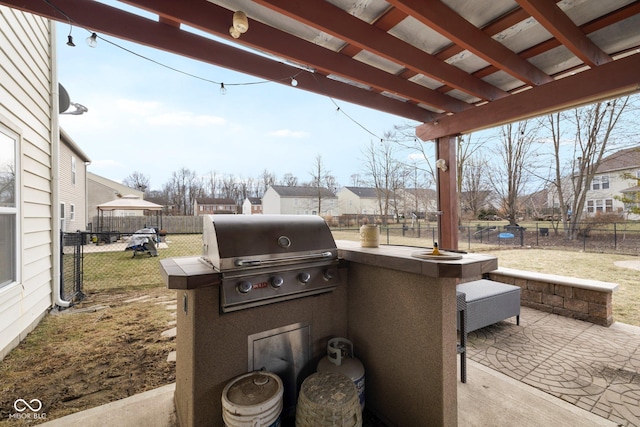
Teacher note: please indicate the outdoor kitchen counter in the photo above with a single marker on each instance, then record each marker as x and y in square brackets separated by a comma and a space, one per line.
[400, 258]
[401, 316]
[188, 273]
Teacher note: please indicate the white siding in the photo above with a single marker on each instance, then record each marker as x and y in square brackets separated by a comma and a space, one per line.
[26, 108]
[271, 202]
[70, 193]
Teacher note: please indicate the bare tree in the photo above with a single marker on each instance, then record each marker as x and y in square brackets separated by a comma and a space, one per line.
[182, 190]
[267, 180]
[474, 185]
[594, 130]
[321, 180]
[384, 171]
[516, 149]
[290, 180]
[138, 181]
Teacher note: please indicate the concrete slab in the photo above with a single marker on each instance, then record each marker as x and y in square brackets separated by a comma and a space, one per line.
[153, 408]
[490, 398]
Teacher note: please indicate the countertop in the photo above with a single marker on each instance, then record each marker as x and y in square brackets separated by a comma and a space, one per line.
[400, 258]
[193, 273]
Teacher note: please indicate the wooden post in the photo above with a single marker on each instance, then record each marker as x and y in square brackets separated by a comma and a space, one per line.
[447, 193]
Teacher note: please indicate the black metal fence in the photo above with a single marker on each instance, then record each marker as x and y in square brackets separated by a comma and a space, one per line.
[97, 262]
[122, 260]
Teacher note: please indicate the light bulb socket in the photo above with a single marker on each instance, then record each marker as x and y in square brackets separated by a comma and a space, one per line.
[70, 41]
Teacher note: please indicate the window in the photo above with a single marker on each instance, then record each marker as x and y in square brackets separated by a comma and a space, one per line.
[600, 182]
[73, 170]
[72, 212]
[62, 217]
[8, 207]
[599, 205]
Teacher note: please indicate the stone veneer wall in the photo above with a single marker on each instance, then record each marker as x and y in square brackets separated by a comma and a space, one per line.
[582, 299]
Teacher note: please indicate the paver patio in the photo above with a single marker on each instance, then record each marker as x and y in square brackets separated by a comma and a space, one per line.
[593, 367]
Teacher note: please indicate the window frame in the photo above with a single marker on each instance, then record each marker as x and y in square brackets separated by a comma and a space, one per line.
[16, 209]
[73, 170]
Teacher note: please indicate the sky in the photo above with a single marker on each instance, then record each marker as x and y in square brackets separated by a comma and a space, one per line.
[143, 117]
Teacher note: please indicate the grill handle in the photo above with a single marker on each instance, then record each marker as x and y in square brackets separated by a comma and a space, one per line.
[254, 262]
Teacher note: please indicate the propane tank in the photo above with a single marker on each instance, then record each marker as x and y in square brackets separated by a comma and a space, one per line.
[340, 359]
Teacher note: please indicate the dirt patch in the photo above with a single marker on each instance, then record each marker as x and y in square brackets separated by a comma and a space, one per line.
[107, 348]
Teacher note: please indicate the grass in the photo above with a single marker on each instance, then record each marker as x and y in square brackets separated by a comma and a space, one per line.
[81, 358]
[565, 262]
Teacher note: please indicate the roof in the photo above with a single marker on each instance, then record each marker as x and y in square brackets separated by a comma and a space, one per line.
[364, 192]
[214, 201]
[69, 142]
[621, 160]
[129, 203]
[255, 200]
[635, 189]
[454, 65]
[292, 191]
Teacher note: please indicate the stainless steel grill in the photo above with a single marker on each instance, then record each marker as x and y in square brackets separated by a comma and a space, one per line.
[269, 258]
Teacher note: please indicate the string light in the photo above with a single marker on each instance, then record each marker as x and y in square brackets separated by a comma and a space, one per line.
[70, 40]
[294, 82]
[223, 90]
[92, 40]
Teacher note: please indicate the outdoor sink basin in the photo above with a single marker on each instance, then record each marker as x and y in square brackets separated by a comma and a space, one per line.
[444, 255]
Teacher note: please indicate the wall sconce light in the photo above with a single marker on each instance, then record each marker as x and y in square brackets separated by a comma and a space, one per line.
[240, 24]
[441, 164]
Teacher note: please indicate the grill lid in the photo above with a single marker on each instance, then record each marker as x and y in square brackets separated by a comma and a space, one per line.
[232, 242]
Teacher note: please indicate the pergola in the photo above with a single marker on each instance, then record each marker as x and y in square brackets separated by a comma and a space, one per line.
[457, 66]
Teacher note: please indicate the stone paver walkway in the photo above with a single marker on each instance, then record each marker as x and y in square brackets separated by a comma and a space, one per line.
[593, 367]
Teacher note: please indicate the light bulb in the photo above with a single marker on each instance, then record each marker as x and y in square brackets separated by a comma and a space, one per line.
[70, 41]
[92, 40]
[294, 82]
[223, 90]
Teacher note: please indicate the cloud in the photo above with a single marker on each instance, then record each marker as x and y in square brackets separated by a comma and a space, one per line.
[288, 133]
[141, 108]
[185, 119]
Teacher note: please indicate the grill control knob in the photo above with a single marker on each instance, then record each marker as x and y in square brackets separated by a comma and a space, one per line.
[304, 277]
[244, 287]
[277, 281]
[328, 274]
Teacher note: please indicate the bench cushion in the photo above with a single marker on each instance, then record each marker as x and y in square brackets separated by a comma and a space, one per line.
[489, 302]
[484, 288]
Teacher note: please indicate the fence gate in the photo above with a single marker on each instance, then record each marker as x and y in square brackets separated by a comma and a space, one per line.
[71, 265]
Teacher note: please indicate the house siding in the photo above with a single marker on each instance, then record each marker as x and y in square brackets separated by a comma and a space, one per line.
[73, 193]
[26, 82]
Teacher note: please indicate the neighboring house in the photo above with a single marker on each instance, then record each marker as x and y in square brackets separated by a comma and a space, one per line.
[359, 201]
[102, 190]
[252, 206]
[417, 202]
[632, 201]
[209, 206]
[29, 155]
[616, 173]
[72, 183]
[280, 199]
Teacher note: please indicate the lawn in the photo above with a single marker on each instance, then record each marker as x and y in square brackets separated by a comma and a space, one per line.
[111, 346]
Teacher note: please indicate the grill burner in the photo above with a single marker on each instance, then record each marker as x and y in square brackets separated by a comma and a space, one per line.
[269, 258]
